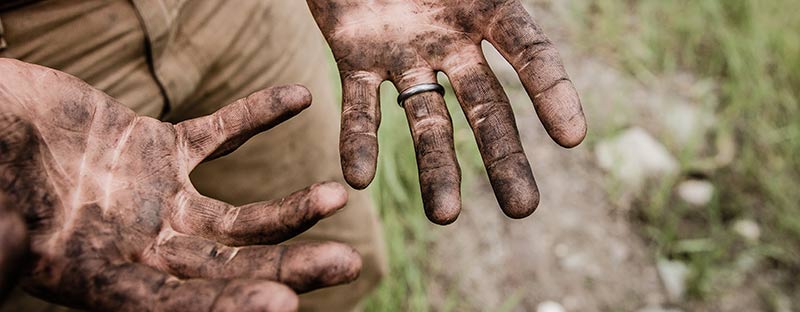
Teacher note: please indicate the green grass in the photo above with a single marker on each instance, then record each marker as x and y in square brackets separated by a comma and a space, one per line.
[751, 48]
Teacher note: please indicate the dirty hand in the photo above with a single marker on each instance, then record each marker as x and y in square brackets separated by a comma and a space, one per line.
[114, 222]
[407, 42]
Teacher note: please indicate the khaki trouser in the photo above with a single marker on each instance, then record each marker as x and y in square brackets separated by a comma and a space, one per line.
[177, 59]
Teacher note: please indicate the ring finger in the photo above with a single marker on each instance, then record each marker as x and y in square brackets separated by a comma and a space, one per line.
[432, 133]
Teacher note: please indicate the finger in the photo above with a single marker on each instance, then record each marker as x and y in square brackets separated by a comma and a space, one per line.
[303, 267]
[541, 71]
[358, 143]
[101, 286]
[13, 246]
[489, 114]
[258, 223]
[220, 133]
[439, 173]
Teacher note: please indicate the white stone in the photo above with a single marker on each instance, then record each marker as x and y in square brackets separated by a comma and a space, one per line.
[748, 229]
[550, 306]
[633, 157]
[673, 276]
[686, 123]
[696, 192]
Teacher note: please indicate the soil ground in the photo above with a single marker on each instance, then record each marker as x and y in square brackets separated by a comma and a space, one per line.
[578, 249]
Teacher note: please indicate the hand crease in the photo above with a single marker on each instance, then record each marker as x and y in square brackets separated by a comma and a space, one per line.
[233, 253]
[45, 146]
[351, 134]
[281, 253]
[220, 124]
[449, 29]
[114, 159]
[76, 198]
[495, 17]
[153, 172]
[434, 168]
[557, 82]
[248, 115]
[362, 76]
[491, 163]
[229, 219]
[425, 124]
[531, 56]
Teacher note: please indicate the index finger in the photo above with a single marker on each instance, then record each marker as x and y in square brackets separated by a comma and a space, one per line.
[221, 133]
[258, 223]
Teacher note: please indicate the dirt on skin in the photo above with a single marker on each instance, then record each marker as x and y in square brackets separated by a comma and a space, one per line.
[578, 249]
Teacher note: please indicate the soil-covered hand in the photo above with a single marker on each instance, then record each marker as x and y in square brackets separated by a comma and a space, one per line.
[114, 222]
[407, 42]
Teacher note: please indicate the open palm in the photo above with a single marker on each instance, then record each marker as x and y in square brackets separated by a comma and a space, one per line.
[407, 42]
[114, 222]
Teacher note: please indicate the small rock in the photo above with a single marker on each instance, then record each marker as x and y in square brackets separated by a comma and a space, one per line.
[673, 275]
[695, 192]
[685, 123]
[635, 156]
[550, 306]
[748, 229]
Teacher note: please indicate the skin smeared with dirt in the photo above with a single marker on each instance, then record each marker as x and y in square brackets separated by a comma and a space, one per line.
[114, 222]
[407, 42]
[13, 244]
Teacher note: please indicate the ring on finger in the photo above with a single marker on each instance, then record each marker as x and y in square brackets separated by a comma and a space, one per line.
[420, 88]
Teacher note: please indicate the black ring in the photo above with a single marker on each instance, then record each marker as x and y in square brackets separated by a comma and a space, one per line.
[420, 88]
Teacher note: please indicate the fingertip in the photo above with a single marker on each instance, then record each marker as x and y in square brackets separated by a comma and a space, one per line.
[298, 94]
[358, 180]
[348, 260]
[514, 186]
[441, 192]
[444, 207]
[522, 206]
[573, 135]
[356, 264]
[284, 299]
[358, 175]
[304, 95]
[562, 115]
[293, 98]
[345, 261]
[329, 197]
[359, 159]
[309, 266]
[444, 216]
[571, 132]
[249, 295]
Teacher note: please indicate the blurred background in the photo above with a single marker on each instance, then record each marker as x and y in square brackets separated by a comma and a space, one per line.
[684, 197]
